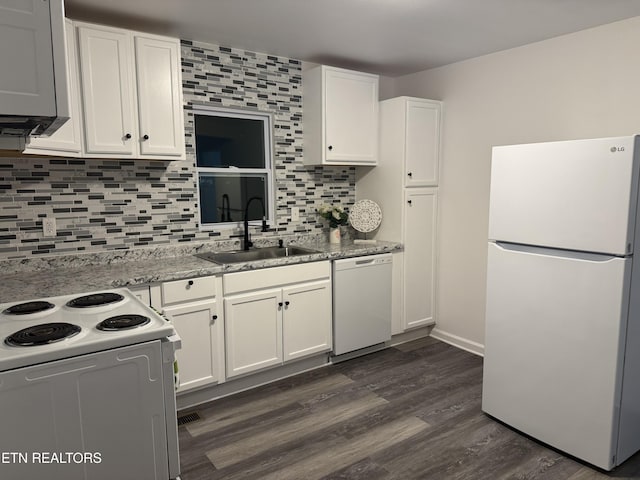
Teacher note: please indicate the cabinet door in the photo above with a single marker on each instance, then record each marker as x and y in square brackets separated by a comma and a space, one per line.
[420, 216]
[253, 331]
[198, 326]
[307, 319]
[422, 143]
[351, 117]
[106, 80]
[67, 139]
[159, 96]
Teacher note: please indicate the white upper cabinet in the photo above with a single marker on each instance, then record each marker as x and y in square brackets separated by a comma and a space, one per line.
[105, 70]
[131, 94]
[421, 142]
[66, 140]
[340, 117]
[159, 96]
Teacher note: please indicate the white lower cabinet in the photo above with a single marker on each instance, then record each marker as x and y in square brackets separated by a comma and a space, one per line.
[268, 317]
[276, 315]
[254, 331]
[420, 214]
[196, 313]
[305, 327]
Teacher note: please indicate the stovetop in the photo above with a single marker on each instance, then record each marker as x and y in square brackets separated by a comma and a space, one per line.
[122, 319]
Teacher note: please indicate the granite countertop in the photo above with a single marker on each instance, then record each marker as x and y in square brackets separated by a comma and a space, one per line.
[27, 280]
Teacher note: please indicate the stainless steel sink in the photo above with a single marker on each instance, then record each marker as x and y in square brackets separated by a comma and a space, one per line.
[238, 256]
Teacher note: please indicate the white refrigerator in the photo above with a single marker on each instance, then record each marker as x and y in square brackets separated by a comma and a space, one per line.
[562, 341]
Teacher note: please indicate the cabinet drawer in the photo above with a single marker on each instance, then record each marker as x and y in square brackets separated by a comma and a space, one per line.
[277, 276]
[187, 290]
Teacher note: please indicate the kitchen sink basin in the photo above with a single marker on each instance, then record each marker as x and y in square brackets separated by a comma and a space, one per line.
[238, 256]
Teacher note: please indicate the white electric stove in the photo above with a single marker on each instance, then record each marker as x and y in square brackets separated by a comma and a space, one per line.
[87, 388]
[52, 328]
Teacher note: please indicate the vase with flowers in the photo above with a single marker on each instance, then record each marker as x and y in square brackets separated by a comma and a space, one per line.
[337, 217]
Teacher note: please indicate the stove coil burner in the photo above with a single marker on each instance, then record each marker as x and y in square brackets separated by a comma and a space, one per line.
[95, 300]
[42, 334]
[122, 322]
[28, 308]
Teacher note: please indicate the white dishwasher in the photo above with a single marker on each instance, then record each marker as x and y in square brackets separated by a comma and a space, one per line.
[361, 303]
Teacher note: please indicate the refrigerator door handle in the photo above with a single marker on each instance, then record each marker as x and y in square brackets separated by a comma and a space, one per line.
[556, 252]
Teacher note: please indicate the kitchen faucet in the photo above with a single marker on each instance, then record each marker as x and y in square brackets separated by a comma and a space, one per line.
[247, 243]
[226, 209]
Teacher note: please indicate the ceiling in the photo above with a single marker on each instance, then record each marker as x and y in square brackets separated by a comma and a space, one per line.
[388, 37]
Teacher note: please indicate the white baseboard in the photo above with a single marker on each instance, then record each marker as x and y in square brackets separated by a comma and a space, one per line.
[410, 335]
[196, 397]
[456, 341]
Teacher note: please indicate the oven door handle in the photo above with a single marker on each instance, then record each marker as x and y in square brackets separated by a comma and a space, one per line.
[173, 342]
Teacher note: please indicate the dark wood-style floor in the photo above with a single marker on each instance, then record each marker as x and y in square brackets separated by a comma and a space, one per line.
[409, 412]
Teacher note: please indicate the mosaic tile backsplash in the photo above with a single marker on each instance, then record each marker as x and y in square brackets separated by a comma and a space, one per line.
[102, 205]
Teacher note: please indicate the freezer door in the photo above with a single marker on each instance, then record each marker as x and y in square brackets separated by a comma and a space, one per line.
[577, 195]
[553, 355]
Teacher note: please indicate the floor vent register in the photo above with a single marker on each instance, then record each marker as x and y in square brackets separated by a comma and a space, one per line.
[188, 418]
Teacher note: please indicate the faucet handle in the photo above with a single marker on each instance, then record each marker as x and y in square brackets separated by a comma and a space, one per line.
[265, 226]
[280, 243]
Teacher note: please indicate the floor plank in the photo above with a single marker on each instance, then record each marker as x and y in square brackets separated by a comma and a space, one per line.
[342, 454]
[258, 442]
[221, 417]
[405, 413]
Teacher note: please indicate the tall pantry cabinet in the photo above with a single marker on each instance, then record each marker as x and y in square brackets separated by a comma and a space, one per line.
[405, 185]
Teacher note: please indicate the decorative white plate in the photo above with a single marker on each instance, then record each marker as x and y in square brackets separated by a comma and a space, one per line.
[365, 216]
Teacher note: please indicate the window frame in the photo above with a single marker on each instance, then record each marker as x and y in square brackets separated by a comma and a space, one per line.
[268, 170]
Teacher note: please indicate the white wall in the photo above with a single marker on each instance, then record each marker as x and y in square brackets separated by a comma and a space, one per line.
[387, 87]
[581, 85]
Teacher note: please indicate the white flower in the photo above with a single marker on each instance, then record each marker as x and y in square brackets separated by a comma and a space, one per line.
[334, 214]
[324, 208]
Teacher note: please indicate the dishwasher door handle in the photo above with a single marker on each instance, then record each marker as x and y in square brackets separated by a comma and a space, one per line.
[364, 262]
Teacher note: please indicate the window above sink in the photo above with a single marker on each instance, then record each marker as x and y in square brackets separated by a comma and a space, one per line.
[234, 164]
